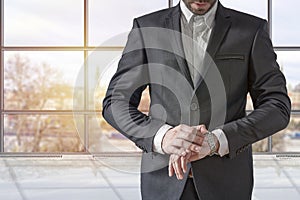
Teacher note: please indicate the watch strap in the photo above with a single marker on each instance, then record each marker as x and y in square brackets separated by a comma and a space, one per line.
[211, 143]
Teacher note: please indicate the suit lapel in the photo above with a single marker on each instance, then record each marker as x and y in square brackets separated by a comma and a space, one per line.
[222, 25]
[173, 23]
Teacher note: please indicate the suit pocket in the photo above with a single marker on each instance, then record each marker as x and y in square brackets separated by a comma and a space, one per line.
[230, 57]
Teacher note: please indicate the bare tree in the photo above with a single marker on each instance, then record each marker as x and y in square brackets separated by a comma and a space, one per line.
[31, 86]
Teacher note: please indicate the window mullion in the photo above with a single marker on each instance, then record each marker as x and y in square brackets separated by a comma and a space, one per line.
[86, 87]
[1, 78]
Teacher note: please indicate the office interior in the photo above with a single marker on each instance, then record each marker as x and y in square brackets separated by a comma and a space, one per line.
[56, 60]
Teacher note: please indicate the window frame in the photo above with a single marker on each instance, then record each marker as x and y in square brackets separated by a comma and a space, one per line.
[86, 112]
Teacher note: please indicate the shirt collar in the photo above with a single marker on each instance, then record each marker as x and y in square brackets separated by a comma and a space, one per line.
[209, 17]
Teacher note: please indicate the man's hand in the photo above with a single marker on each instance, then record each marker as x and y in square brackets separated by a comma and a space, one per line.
[178, 164]
[181, 138]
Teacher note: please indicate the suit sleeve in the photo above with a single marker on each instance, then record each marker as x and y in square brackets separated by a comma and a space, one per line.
[267, 88]
[124, 94]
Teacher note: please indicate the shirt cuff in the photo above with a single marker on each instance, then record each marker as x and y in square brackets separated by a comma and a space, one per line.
[157, 142]
[223, 149]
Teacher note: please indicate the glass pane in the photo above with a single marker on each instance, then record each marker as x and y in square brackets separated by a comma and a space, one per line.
[111, 22]
[289, 62]
[260, 9]
[288, 140]
[285, 29]
[175, 2]
[249, 105]
[101, 67]
[104, 138]
[260, 146]
[41, 133]
[47, 22]
[41, 80]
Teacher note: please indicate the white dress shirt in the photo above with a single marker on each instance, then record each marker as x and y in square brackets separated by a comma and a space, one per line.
[186, 18]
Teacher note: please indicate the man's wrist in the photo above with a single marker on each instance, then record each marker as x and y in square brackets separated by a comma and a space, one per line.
[222, 141]
[158, 138]
[216, 143]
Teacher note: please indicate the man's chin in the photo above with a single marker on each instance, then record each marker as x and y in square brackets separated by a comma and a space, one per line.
[199, 11]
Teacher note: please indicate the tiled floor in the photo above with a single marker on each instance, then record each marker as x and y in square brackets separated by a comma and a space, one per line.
[117, 178]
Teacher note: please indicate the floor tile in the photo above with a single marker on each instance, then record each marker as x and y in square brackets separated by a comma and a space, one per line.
[72, 194]
[130, 194]
[275, 194]
[294, 174]
[9, 193]
[58, 177]
[271, 177]
[118, 178]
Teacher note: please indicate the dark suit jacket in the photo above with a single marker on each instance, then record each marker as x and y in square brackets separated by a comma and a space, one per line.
[244, 61]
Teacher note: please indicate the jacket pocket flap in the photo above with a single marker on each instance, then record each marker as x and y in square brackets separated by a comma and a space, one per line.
[230, 56]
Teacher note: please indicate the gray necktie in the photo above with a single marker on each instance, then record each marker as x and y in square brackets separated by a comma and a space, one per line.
[200, 37]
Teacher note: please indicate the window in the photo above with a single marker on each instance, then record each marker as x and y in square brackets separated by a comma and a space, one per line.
[109, 24]
[289, 62]
[57, 57]
[254, 7]
[43, 23]
[50, 91]
[41, 80]
[285, 29]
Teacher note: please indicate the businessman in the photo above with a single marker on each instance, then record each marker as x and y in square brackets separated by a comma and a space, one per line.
[199, 61]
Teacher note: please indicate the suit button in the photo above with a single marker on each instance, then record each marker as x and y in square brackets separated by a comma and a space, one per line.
[194, 106]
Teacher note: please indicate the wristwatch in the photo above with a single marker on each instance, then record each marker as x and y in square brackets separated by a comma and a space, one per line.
[211, 143]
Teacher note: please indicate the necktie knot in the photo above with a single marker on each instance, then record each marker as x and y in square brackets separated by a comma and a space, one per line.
[200, 27]
[199, 23]
[198, 19]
